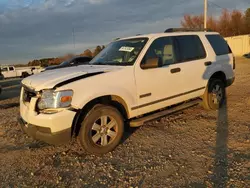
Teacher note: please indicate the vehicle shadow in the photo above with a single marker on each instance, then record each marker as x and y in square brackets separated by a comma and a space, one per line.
[220, 171]
[11, 105]
[219, 177]
[30, 146]
[128, 131]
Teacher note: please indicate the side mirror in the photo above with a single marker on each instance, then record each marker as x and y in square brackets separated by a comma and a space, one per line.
[150, 63]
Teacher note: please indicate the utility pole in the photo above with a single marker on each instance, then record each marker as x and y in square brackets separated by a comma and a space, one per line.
[205, 14]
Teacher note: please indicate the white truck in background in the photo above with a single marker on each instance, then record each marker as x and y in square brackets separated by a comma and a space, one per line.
[22, 72]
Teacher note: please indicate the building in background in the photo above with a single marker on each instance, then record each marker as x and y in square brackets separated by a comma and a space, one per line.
[240, 45]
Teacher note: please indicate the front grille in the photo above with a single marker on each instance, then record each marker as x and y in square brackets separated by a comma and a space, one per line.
[28, 94]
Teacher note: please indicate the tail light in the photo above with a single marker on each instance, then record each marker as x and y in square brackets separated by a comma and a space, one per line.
[233, 63]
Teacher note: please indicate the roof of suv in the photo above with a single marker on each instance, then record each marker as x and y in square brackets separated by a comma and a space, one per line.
[154, 35]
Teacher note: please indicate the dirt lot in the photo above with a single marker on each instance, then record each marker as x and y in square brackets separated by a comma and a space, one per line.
[193, 148]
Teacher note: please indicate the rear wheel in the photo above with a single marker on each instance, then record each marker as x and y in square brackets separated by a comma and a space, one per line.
[24, 75]
[101, 130]
[214, 95]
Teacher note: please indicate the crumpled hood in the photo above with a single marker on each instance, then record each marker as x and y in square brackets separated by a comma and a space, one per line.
[50, 78]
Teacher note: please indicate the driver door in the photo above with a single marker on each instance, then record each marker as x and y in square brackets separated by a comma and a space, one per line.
[157, 86]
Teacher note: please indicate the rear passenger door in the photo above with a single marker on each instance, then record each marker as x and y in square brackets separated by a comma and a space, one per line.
[192, 60]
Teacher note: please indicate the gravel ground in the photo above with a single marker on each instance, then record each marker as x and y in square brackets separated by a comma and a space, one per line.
[192, 148]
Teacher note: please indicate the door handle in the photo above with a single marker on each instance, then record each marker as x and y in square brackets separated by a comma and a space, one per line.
[207, 63]
[175, 70]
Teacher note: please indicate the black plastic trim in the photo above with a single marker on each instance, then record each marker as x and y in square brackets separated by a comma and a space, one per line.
[208, 63]
[167, 98]
[175, 70]
[171, 30]
[145, 95]
[39, 133]
[73, 109]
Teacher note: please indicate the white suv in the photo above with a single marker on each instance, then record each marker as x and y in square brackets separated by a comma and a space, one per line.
[132, 81]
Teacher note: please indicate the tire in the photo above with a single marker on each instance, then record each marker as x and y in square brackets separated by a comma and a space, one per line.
[95, 136]
[24, 75]
[215, 95]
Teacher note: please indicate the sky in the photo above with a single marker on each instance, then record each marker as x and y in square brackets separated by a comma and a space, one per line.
[34, 29]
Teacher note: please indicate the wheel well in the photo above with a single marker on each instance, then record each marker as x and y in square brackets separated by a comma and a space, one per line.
[219, 75]
[111, 100]
[25, 74]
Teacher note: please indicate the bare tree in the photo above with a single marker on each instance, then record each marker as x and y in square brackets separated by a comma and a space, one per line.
[228, 24]
[87, 53]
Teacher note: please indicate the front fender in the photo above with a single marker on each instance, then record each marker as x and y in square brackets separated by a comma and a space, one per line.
[79, 100]
[120, 83]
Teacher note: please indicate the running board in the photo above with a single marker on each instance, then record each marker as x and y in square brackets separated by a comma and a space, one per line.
[140, 121]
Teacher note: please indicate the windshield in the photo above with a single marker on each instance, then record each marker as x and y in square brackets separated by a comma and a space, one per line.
[64, 63]
[123, 52]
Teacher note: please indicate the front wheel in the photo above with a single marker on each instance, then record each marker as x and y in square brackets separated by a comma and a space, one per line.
[215, 94]
[101, 130]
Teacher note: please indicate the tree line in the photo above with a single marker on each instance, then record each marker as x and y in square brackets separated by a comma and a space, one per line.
[229, 23]
[55, 61]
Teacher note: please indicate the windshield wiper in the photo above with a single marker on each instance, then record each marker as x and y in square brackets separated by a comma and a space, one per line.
[121, 64]
[98, 63]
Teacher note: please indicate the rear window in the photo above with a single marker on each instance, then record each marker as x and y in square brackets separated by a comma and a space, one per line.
[189, 47]
[219, 45]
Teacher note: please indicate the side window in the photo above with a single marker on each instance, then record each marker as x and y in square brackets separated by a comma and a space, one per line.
[4, 69]
[83, 60]
[219, 45]
[189, 47]
[161, 48]
[11, 68]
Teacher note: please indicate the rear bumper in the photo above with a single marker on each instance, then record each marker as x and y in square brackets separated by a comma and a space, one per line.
[44, 133]
[230, 81]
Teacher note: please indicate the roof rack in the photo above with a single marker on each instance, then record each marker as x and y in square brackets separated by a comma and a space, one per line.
[115, 39]
[171, 30]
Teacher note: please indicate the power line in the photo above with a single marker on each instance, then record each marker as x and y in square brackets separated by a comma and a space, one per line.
[218, 6]
[180, 3]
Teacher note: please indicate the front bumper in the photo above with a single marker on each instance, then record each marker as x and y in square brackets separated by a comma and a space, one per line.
[51, 128]
[44, 133]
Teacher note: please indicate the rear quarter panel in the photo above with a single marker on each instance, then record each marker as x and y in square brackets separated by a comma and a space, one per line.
[222, 63]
